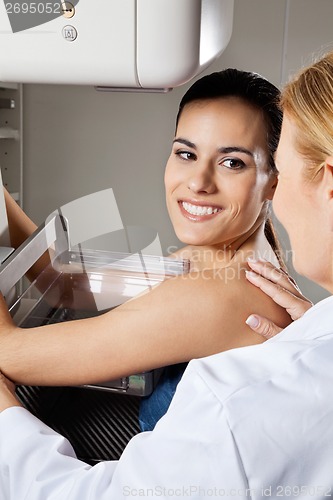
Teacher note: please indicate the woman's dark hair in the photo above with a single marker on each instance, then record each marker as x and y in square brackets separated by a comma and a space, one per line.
[257, 91]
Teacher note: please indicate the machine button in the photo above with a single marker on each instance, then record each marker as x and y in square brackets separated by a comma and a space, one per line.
[67, 9]
[69, 33]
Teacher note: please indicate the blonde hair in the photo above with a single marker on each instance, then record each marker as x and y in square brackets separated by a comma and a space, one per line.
[308, 100]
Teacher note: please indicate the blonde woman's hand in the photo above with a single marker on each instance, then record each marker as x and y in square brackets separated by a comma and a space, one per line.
[282, 288]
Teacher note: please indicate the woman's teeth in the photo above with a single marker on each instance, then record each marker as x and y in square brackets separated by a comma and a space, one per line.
[199, 210]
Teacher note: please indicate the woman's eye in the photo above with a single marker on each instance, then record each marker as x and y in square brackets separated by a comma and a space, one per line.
[233, 163]
[186, 155]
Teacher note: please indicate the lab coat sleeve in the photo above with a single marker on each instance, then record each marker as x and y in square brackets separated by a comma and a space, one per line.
[190, 454]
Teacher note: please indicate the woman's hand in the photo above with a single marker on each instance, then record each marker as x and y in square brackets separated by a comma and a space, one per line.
[7, 394]
[282, 289]
[7, 324]
[7, 388]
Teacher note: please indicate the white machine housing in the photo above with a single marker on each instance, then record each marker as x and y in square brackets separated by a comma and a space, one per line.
[150, 44]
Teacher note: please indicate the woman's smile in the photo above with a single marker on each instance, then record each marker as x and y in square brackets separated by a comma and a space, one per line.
[198, 211]
[217, 177]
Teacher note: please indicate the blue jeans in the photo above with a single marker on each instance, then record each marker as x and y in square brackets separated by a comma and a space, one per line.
[153, 407]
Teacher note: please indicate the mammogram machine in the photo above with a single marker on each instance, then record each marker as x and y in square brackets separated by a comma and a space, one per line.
[123, 44]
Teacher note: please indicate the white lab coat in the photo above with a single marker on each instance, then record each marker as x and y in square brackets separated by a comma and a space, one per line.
[254, 422]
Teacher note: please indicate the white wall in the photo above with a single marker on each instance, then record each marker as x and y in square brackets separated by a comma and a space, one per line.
[78, 141]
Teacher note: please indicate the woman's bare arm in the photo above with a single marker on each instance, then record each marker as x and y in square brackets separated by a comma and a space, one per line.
[20, 225]
[20, 228]
[186, 317]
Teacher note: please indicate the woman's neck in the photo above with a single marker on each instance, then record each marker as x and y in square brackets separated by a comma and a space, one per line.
[254, 245]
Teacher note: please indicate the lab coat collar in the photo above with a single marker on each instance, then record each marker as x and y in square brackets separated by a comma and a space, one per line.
[316, 322]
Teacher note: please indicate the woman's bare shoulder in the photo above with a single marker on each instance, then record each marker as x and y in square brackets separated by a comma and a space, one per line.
[206, 311]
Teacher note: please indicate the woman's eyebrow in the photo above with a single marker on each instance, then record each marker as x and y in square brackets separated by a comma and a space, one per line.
[224, 150]
[187, 143]
[235, 149]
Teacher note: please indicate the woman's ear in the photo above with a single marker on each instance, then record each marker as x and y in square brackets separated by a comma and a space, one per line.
[328, 177]
[271, 186]
[327, 180]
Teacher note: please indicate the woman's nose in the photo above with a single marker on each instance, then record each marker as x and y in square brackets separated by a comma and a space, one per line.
[202, 180]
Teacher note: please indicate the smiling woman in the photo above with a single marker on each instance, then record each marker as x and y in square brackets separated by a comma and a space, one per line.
[218, 183]
[219, 179]
[231, 121]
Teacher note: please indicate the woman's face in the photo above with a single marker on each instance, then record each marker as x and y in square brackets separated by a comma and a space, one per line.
[217, 177]
[298, 204]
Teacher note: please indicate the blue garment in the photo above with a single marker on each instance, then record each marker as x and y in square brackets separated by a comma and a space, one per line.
[153, 407]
